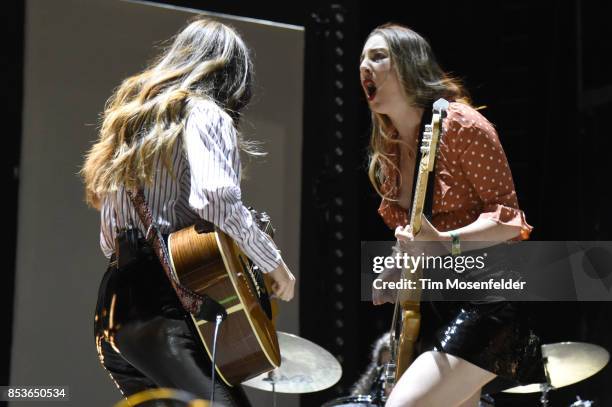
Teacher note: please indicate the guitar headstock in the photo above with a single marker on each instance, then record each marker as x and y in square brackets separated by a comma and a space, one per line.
[429, 147]
[440, 107]
[263, 221]
[431, 134]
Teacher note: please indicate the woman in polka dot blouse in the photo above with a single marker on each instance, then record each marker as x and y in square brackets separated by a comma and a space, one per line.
[473, 199]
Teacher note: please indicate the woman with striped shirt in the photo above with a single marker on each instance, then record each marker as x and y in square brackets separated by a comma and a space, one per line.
[171, 130]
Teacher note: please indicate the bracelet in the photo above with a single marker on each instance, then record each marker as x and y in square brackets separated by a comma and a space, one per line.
[456, 244]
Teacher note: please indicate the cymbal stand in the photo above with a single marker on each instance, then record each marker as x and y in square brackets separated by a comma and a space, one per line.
[272, 380]
[545, 387]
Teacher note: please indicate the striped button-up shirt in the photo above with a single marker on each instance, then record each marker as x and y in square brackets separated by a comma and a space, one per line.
[204, 184]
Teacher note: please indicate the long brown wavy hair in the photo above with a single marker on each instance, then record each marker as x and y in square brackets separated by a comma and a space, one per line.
[422, 79]
[146, 114]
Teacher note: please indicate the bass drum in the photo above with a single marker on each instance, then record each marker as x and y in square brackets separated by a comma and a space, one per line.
[352, 401]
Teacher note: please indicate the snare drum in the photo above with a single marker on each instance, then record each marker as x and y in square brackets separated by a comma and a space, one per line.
[352, 401]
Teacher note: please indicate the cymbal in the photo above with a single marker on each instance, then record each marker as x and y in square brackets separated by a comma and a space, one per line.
[568, 363]
[305, 368]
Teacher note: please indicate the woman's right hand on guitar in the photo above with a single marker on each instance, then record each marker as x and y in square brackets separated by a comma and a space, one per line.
[284, 282]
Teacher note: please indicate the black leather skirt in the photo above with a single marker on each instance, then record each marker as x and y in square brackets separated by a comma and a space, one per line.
[496, 336]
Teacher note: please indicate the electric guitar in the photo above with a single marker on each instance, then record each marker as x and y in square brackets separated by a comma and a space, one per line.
[407, 314]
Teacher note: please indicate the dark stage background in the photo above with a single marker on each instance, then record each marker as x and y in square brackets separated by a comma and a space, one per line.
[543, 71]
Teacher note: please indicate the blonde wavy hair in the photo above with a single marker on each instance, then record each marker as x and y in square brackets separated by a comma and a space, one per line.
[422, 80]
[146, 114]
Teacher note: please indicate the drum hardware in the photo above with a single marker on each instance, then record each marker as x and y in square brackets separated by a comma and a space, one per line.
[352, 401]
[272, 380]
[384, 384]
[387, 377]
[582, 403]
[545, 388]
[486, 401]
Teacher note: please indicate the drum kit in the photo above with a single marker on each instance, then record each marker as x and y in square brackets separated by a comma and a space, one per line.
[306, 367]
[567, 363]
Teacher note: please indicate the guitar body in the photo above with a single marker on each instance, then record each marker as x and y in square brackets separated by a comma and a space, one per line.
[411, 326]
[212, 264]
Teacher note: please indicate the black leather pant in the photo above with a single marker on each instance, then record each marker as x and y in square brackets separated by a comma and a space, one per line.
[145, 340]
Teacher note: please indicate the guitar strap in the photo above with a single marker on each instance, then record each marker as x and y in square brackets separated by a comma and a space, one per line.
[201, 306]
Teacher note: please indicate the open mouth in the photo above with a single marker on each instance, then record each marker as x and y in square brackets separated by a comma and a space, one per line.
[370, 89]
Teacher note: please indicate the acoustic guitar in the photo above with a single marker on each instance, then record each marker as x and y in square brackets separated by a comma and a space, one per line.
[210, 262]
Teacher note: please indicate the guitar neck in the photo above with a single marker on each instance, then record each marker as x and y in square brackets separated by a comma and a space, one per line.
[429, 147]
[420, 193]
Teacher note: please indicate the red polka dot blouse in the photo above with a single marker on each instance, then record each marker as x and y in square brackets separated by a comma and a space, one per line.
[472, 178]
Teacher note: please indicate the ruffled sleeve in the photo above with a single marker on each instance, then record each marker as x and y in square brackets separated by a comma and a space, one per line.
[485, 165]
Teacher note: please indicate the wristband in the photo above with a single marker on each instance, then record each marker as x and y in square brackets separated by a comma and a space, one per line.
[456, 244]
